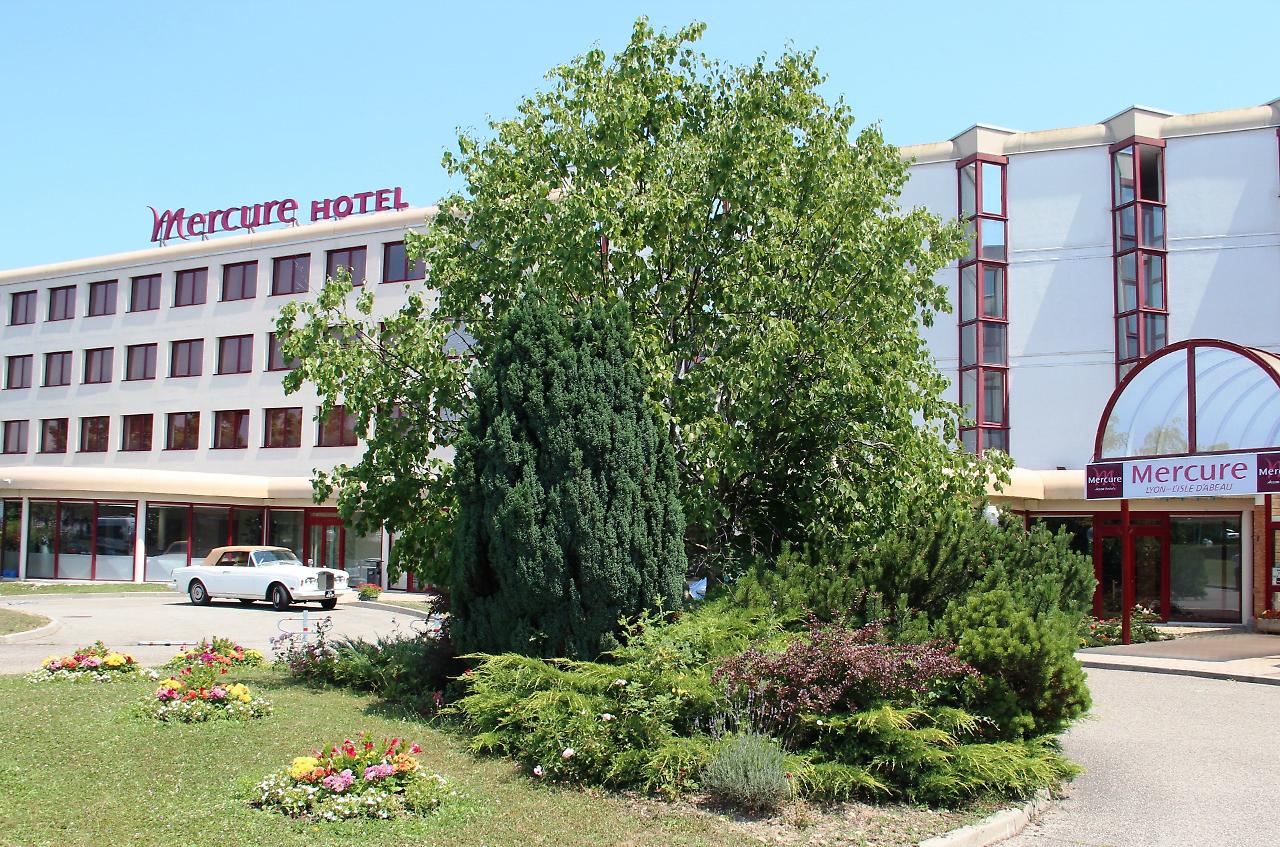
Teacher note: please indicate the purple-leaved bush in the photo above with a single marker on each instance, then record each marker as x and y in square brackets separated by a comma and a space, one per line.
[834, 669]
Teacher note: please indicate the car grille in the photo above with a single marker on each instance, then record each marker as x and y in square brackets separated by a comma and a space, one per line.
[326, 582]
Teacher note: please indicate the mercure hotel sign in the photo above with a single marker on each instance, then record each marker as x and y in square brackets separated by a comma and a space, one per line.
[177, 222]
[1207, 475]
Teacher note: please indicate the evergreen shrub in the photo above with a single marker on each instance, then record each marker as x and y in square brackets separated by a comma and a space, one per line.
[750, 772]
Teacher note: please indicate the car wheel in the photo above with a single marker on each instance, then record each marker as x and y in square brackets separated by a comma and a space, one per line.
[198, 593]
[245, 602]
[330, 604]
[280, 598]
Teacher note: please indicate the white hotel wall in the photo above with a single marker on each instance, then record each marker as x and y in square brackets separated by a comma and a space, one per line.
[208, 393]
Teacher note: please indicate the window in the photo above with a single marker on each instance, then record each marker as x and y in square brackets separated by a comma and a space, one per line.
[189, 290]
[351, 258]
[15, 436]
[275, 356]
[137, 433]
[102, 298]
[62, 303]
[53, 435]
[97, 365]
[1141, 287]
[282, 428]
[22, 308]
[337, 429]
[187, 358]
[93, 434]
[18, 372]
[57, 368]
[396, 267]
[984, 328]
[183, 431]
[144, 293]
[140, 362]
[289, 274]
[231, 430]
[235, 354]
[240, 281]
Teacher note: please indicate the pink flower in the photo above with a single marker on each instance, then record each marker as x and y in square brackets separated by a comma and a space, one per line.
[415, 748]
[538, 771]
[568, 753]
[378, 771]
[339, 782]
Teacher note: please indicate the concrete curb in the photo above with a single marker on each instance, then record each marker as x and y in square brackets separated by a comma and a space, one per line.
[391, 607]
[1197, 672]
[31, 634]
[994, 828]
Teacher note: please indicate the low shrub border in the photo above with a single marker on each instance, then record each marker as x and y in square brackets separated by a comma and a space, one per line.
[365, 778]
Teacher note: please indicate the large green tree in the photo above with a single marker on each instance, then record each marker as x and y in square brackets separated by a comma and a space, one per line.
[775, 287]
[569, 513]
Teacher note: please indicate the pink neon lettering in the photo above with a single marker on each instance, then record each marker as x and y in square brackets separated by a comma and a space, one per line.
[289, 206]
[1238, 469]
[1141, 473]
[363, 197]
[399, 204]
[319, 209]
[196, 220]
[382, 200]
[342, 206]
[165, 224]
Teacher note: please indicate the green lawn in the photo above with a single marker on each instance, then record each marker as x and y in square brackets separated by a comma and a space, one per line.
[8, 588]
[77, 771]
[11, 621]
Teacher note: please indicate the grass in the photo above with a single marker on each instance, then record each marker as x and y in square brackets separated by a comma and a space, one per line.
[76, 770]
[11, 621]
[9, 588]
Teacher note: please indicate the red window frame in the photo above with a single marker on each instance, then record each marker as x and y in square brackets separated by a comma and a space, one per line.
[136, 432]
[95, 434]
[62, 303]
[235, 354]
[98, 365]
[239, 281]
[983, 304]
[17, 371]
[282, 427]
[395, 264]
[289, 274]
[143, 354]
[1139, 235]
[337, 429]
[191, 287]
[93, 540]
[185, 355]
[102, 298]
[53, 435]
[231, 429]
[57, 364]
[15, 437]
[22, 308]
[144, 293]
[182, 431]
[275, 355]
[352, 258]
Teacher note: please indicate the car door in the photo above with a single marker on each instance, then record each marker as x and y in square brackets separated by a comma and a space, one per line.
[219, 578]
[239, 574]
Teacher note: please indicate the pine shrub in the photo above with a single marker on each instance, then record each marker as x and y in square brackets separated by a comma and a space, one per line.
[749, 772]
[569, 512]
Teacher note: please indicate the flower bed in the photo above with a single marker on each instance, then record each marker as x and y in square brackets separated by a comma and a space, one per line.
[217, 652]
[365, 778]
[368, 591]
[95, 663]
[1106, 632]
[196, 694]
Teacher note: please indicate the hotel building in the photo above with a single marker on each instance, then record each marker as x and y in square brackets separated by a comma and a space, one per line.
[1113, 331]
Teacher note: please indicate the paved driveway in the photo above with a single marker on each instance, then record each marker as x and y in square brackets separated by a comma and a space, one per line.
[1172, 761]
[124, 620]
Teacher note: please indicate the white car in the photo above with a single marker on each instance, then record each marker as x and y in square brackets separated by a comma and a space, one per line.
[251, 573]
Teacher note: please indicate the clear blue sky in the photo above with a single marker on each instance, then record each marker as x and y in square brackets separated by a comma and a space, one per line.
[111, 107]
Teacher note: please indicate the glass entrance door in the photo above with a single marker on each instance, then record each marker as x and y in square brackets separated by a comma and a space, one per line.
[1150, 567]
[324, 543]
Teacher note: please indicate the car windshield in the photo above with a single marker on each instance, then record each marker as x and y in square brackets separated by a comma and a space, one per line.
[267, 557]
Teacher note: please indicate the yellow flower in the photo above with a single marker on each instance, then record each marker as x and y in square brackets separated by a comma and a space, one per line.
[302, 766]
[113, 660]
[243, 698]
[171, 683]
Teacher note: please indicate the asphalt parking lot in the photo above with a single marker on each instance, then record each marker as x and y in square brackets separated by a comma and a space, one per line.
[1170, 761]
[128, 621]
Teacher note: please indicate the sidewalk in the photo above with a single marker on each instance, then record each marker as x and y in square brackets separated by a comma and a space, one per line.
[1239, 656]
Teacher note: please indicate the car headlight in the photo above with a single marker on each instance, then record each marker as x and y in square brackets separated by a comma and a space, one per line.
[309, 580]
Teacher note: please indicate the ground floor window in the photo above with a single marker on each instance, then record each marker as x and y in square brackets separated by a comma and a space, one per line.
[80, 539]
[11, 544]
[1186, 567]
[179, 534]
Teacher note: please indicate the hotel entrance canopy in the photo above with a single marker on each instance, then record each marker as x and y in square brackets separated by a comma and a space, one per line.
[1201, 418]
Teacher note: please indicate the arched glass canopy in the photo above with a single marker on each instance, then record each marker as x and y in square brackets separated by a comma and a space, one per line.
[1198, 396]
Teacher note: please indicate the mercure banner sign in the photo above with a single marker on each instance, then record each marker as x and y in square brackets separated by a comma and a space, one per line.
[184, 225]
[1209, 475]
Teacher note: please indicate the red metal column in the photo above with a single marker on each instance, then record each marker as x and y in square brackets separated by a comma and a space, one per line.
[1126, 574]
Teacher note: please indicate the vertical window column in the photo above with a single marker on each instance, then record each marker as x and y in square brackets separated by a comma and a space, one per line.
[983, 312]
[1138, 211]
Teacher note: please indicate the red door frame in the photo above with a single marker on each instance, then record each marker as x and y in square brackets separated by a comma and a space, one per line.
[321, 517]
[1102, 529]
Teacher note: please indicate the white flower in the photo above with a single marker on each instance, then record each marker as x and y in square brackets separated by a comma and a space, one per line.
[568, 753]
[538, 771]
[620, 682]
[606, 717]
